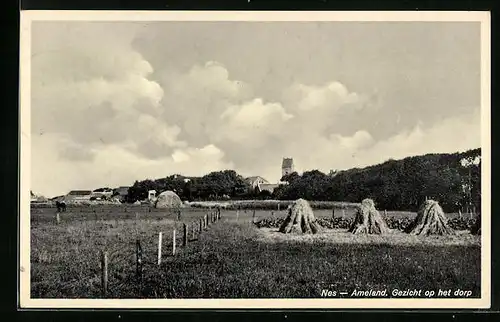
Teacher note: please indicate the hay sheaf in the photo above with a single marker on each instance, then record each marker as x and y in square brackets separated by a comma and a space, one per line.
[168, 199]
[368, 220]
[430, 220]
[300, 219]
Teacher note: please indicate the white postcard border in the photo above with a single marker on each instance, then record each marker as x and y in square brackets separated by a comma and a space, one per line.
[25, 302]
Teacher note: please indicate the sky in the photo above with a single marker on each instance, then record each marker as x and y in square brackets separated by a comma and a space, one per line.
[115, 102]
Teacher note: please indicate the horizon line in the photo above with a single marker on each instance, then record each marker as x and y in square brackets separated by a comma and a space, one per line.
[247, 176]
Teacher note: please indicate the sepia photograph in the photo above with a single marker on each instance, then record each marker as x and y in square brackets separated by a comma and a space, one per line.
[254, 159]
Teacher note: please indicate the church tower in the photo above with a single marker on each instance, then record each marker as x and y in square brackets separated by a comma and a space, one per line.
[287, 166]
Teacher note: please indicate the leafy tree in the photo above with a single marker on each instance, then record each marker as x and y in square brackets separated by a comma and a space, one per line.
[393, 185]
[291, 177]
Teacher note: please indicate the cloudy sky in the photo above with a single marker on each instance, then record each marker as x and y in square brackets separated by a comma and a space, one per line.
[115, 102]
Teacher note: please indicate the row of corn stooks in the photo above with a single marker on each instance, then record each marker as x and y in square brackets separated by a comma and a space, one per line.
[430, 219]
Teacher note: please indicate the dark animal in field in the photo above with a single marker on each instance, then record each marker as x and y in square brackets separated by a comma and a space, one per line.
[61, 206]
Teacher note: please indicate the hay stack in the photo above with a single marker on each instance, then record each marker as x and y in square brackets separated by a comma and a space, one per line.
[368, 220]
[430, 221]
[300, 219]
[168, 199]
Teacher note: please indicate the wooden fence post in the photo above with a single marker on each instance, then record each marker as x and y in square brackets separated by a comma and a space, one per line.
[278, 206]
[104, 273]
[201, 225]
[343, 213]
[185, 235]
[58, 219]
[385, 213]
[192, 230]
[159, 247]
[333, 213]
[237, 214]
[218, 212]
[173, 242]
[138, 250]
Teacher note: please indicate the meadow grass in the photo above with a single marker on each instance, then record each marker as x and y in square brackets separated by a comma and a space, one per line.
[234, 259]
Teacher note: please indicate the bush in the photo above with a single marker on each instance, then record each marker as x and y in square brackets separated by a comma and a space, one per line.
[344, 223]
[271, 204]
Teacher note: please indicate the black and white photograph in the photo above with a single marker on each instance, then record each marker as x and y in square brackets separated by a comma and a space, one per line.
[255, 159]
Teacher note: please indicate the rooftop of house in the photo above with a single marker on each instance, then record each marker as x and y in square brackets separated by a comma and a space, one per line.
[254, 178]
[79, 193]
[268, 186]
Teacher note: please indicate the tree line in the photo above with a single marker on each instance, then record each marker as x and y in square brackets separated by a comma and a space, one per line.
[216, 185]
[393, 185]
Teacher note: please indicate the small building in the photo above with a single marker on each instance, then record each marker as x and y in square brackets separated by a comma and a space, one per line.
[102, 193]
[37, 199]
[255, 181]
[78, 195]
[151, 194]
[268, 187]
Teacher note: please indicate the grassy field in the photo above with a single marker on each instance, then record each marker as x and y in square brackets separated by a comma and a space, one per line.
[235, 259]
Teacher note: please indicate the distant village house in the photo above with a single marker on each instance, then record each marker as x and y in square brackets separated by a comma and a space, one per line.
[260, 184]
[255, 181]
[78, 195]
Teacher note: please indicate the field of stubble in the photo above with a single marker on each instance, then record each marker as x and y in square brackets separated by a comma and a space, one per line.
[235, 259]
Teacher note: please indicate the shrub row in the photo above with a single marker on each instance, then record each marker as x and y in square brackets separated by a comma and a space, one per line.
[344, 223]
[271, 204]
[232, 205]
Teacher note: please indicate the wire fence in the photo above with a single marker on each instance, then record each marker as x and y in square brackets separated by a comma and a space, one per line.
[114, 268]
[119, 268]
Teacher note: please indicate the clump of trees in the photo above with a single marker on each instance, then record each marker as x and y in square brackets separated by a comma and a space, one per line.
[217, 185]
[396, 185]
[393, 185]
